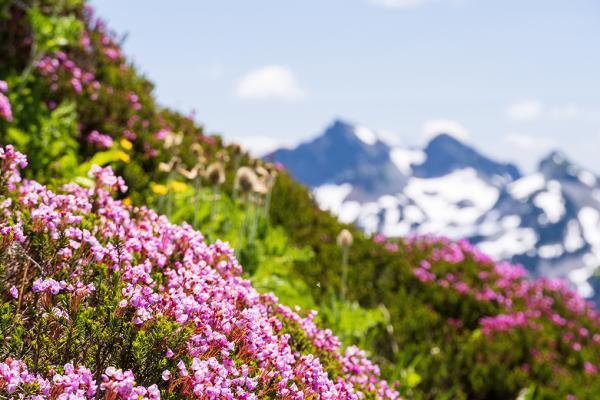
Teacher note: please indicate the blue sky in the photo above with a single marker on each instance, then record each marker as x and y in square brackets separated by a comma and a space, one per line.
[516, 77]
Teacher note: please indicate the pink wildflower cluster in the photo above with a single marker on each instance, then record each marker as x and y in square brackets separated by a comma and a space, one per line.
[5, 109]
[106, 179]
[118, 384]
[60, 65]
[240, 346]
[523, 302]
[503, 322]
[75, 383]
[99, 139]
[10, 163]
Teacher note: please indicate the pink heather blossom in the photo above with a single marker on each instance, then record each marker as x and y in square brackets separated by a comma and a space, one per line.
[75, 383]
[392, 247]
[129, 135]
[85, 40]
[106, 179]
[76, 83]
[112, 53]
[161, 134]
[589, 368]
[14, 292]
[166, 375]
[423, 275]
[48, 286]
[502, 322]
[101, 140]
[234, 326]
[5, 109]
[379, 238]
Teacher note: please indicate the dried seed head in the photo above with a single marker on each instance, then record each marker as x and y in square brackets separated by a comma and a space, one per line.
[191, 174]
[215, 174]
[236, 149]
[199, 169]
[245, 180]
[197, 148]
[345, 238]
[173, 139]
[272, 172]
[260, 187]
[257, 162]
[201, 160]
[262, 171]
[222, 156]
[164, 167]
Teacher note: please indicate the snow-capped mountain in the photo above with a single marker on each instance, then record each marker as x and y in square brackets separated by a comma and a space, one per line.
[345, 154]
[549, 220]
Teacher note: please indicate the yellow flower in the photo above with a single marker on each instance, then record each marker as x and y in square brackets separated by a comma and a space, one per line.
[126, 144]
[178, 186]
[123, 157]
[127, 201]
[159, 189]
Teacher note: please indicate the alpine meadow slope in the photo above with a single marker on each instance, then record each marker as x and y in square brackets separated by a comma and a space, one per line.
[109, 290]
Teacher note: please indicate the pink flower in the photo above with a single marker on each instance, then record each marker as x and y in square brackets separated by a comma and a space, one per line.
[166, 375]
[161, 134]
[589, 368]
[100, 140]
[5, 109]
[169, 354]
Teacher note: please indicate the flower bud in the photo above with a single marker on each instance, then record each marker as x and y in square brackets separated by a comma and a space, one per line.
[245, 179]
[345, 238]
[215, 174]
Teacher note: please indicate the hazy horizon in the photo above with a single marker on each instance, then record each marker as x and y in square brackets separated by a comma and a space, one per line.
[517, 79]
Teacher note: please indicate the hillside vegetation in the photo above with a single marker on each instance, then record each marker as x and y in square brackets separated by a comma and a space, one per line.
[114, 292]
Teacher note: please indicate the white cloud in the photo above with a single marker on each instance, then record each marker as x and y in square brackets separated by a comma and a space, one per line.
[525, 110]
[574, 111]
[270, 82]
[529, 110]
[392, 138]
[434, 127]
[399, 3]
[524, 141]
[261, 145]
[567, 111]
[408, 4]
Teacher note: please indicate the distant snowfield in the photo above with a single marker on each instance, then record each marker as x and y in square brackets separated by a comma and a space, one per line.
[366, 135]
[462, 204]
[405, 158]
[458, 198]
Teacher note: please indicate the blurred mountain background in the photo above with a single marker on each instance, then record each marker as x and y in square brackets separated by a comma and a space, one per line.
[547, 220]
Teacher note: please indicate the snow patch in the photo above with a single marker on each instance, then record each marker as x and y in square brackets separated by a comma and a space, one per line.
[589, 218]
[551, 251]
[527, 185]
[404, 159]
[511, 243]
[580, 276]
[366, 135]
[573, 239]
[587, 178]
[349, 212]
[413, 214]
[459, 198]
[331, 197]
[551, 202]
[511, 222]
